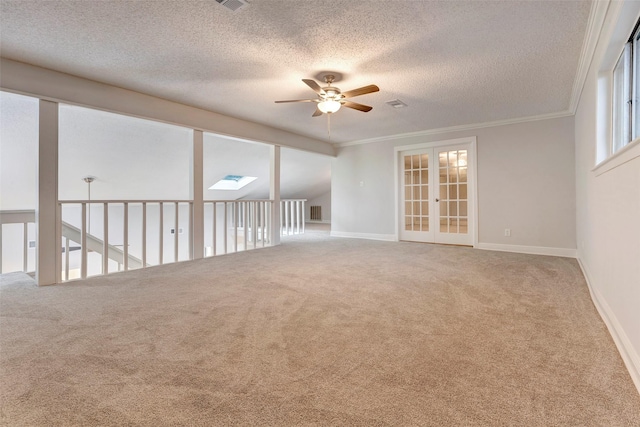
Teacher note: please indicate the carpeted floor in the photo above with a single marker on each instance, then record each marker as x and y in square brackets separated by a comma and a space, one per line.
[317, 331]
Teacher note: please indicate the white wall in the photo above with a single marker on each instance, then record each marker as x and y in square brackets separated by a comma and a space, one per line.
[525, 183]
[18, 151]
[608, 208]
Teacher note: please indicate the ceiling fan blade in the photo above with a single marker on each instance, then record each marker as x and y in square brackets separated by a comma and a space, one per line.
[356, 106]
[314, 86]
[316, 113]
[297, 100]
[360, 91]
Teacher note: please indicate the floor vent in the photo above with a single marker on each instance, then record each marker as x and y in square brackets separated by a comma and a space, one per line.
[316, 213]
[234, 5]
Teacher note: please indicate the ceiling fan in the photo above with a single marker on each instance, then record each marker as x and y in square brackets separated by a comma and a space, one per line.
[330, 98]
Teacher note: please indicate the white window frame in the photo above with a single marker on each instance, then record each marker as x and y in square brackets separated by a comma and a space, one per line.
[615, 147]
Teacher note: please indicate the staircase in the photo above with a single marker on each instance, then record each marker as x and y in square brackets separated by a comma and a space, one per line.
[96, 245]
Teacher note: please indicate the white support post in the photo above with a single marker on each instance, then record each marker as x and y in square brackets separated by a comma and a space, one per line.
[25, 246]
[304, 213]
[66, 258]
[175, 235]
[197, 195]
[144, 235]
[161, 237]
[235, 225]
[83, 243]
[125, 238]
[225, 227]
[245, 225]
[274, 194]
[48, 252]
[214, 225]
[105, 239]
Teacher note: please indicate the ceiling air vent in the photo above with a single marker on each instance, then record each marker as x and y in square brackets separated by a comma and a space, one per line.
[396, 103]
[234, 5]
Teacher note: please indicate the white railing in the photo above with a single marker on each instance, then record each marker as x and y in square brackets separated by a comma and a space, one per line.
[292, 216]
[104, 236]
[17, 239]
[132, 233]
[236, 225]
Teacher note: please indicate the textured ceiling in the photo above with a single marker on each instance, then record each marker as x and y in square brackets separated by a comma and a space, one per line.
[453, 62]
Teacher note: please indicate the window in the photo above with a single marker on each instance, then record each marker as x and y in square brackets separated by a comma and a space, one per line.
[626, 90]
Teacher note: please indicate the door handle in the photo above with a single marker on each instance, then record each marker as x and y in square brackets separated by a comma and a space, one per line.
[437, 200]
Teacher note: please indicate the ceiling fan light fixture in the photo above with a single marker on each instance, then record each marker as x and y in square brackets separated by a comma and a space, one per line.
[329, 106]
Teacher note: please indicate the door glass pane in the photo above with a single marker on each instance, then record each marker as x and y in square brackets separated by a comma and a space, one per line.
[463, 174]
[462, 158]
[424, 161]
[463, 191]
[453, 191]
[416, 161]
[416, 193]
[453, 208]
[424, 176]
[425, 223]
[443, 226]
[453, 174]
[463, 209]
[453, 225]
[407, 223]
[407, 193]
[463, 225]
[416, 177]
[407, 162]
[425, 208]
[443, 208]
[425, 192]
[443, 192]
[443, 159]
[407, 208]
[416, 208]
[443, 176]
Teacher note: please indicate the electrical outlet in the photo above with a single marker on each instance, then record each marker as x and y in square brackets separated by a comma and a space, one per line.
[507, 232]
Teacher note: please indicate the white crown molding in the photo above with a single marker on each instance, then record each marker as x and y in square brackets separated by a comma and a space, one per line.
[459, 128]
[532, 250]
[599, 9]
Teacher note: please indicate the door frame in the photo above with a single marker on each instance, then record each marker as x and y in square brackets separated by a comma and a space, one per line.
[471, 144]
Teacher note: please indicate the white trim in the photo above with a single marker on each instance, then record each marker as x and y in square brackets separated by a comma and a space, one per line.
[624, 155]
[369, 236]
[630, 358]
[472, 142]
[533, 250]
[592, 35]
[472, 126]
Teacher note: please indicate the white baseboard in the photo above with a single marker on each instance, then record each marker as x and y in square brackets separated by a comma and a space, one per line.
[627, 352]
[370, 236]
[534, 250]
[324, 221]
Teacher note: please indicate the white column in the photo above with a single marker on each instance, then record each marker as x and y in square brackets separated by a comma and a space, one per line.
[196, 164]
[48, 252]
[274, 194]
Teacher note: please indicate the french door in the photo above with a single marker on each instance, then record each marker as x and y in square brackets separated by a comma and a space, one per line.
[437, 194]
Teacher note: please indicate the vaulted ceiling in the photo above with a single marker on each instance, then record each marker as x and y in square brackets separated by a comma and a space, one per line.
[452, 62]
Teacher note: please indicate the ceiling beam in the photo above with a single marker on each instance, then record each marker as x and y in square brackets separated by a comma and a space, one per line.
[55, 86]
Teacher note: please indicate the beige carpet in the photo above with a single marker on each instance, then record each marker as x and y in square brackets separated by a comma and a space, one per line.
[318, 331]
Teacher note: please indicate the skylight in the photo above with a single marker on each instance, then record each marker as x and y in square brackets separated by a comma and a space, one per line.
[232, 182]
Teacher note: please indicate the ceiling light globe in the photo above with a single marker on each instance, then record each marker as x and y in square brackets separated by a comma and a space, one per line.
[329, 106]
